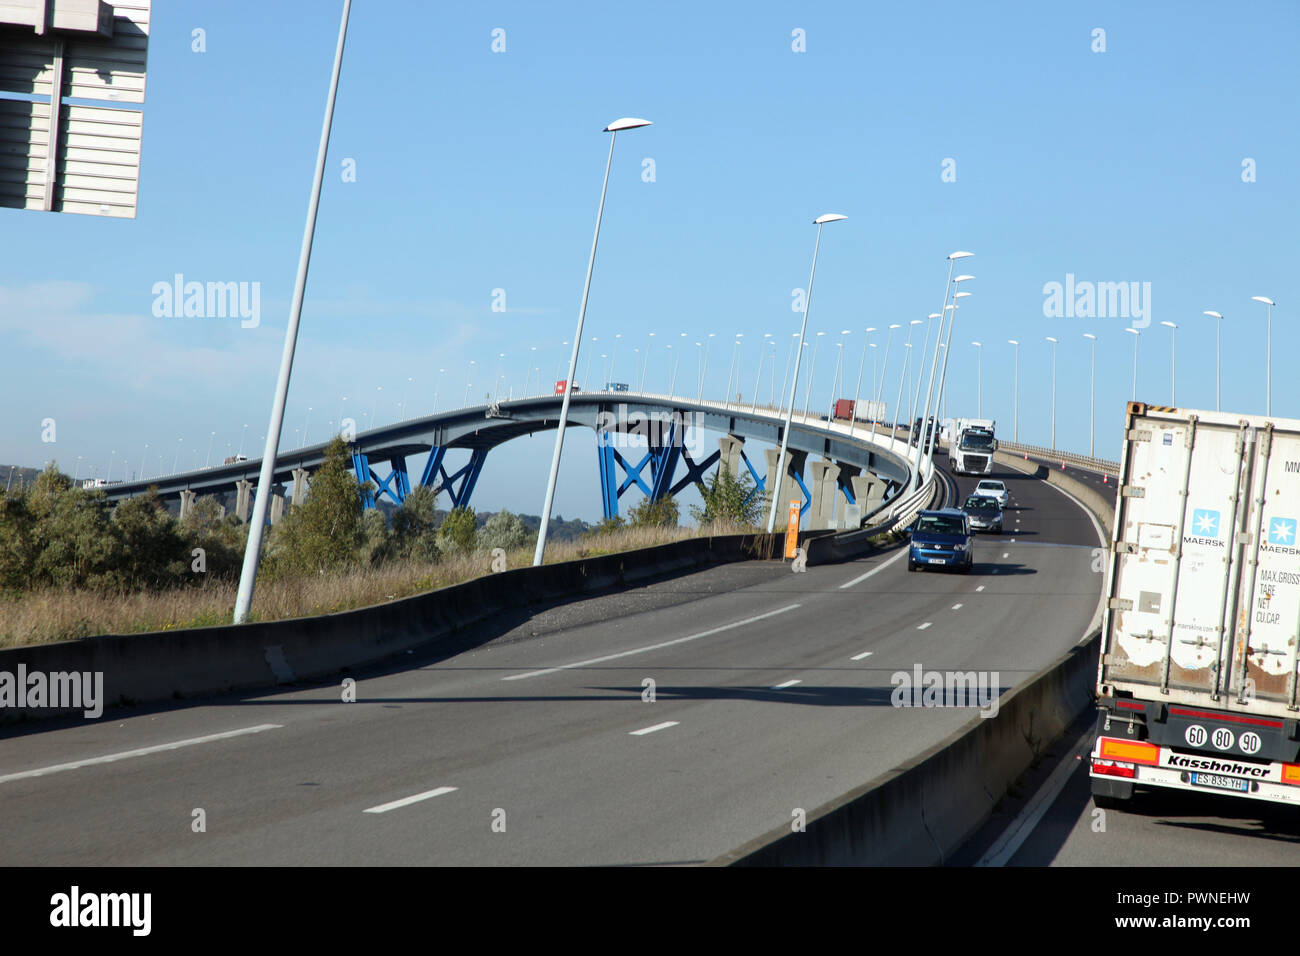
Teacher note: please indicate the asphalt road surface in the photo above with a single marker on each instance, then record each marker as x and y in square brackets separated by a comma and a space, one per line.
[772, 692]
[1057, 825]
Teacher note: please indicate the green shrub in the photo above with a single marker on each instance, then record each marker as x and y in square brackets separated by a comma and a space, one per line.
[728, 499]
[458, 530]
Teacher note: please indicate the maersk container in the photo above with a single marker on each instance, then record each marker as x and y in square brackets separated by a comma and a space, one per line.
[1197, 684]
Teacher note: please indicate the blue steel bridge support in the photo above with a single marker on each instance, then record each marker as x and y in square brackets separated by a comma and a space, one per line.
[664, 452]
[459, 485]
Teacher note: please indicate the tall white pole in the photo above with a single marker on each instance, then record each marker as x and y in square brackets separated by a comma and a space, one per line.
[812, 367]
[883, 370]
[925, 414]
[774, 491]
[1268, 354]
[554, 476]
[1015, 393]
[942, 394]
[857, 392]
[266, 476]
[1053, 341]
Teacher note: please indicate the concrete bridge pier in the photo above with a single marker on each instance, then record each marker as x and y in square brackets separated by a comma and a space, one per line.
[825, 485]
[243, 498]
[187, 502]
[299, 486]
[868, 492]
[729, 449]
[277, 503]
[789, 489]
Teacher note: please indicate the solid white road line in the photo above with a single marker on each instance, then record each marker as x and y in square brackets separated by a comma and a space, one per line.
[140, 752]
[650, 730]
[654, 647]
[879, 567]
[864, 654]
[1014, 836]
[789, 683]
[922, 627]
[407, 801]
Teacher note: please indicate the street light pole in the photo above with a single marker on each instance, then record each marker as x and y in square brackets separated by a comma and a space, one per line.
[613, 128]
[1136, 335]
[884, 368]
[812, 367]
[857, 392]
[1092, 395]
[1015, 393]
[1268, 354]
[920, 362]
[1218, 329]
[266, 477]
[1053, 341]
[758, 380]
[942, 394]
[934, 363]
[794, 384]
[1173, 362]
[979, 372]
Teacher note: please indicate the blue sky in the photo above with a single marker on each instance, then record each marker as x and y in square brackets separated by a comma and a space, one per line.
[478, 171]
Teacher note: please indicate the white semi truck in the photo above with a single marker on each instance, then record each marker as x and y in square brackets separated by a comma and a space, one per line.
[971, 448]
[1196, 686]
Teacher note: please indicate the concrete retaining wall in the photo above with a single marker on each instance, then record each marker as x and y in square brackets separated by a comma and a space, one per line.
[164, 665]
[919, 813]
[1100, 505]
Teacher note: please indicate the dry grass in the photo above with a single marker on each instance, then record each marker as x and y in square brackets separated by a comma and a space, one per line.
[42, 617]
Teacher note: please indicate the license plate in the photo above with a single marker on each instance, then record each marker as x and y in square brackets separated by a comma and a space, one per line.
[936, 560]
[1219, 782]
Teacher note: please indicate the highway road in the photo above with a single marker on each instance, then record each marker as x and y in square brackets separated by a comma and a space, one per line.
[1055, 824]
[771, 693]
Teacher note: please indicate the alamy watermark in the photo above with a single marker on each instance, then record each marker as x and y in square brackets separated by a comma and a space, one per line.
[1098, 300]
[658, 428]
[208, 300]
[922, 688]
[65, 690]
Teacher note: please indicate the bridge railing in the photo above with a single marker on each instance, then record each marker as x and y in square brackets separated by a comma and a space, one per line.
[1099, 465]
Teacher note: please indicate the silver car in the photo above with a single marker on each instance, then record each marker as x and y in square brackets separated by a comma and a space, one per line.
[994, 489]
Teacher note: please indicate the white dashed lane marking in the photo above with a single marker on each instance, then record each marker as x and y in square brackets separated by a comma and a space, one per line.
[650, 730]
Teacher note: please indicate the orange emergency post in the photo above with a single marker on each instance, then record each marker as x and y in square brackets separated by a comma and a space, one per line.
[792, 531]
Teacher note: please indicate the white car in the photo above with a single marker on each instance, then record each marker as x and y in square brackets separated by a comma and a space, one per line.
[994, 489]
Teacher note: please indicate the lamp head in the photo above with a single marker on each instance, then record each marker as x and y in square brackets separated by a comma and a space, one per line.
[627, 122]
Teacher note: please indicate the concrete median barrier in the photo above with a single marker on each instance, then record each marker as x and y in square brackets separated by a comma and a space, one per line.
[166, 665]
[919, 813]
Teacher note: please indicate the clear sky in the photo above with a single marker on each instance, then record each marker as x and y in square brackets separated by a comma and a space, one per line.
[993, 128]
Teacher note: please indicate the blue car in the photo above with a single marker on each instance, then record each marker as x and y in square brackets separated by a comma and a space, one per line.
[942, 539]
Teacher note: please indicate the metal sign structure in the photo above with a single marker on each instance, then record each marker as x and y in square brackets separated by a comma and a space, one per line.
[57, 153]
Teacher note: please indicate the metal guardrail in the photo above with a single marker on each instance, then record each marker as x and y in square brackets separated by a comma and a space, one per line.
[1100, 465]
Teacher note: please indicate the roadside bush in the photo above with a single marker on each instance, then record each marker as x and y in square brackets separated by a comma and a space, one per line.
[458, 531]
[729, 499]
[414, 536]
[502, 530]
[663, 513]
[326, 531]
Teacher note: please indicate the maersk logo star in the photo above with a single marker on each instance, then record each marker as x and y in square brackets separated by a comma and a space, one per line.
[1205, 523]
[1282, 531]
